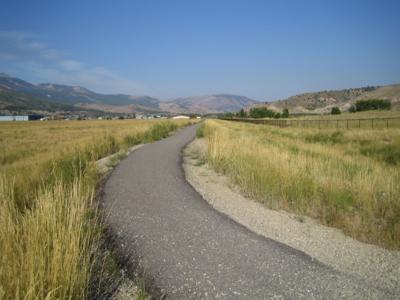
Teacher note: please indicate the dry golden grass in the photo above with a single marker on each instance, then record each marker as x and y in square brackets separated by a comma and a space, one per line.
[360, 120]
[347, 179]
[46, 250]
[47, 180]
[357, 115]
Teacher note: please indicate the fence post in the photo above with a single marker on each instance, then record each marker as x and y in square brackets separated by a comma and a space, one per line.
[337, 123]
[387, 123]
[347, 123]
[359, 123]
[372, 123]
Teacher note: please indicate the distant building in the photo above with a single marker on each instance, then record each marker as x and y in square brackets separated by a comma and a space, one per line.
[14, 118]
[180, 117]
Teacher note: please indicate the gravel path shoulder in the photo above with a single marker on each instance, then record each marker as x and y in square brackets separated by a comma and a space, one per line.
[379, 267]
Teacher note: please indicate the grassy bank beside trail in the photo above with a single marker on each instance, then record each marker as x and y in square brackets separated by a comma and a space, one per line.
[48, 223]
[347, 179]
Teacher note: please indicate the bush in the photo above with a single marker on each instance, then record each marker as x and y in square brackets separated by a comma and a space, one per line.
[200, 131]
[285, 113]
[335, 111]
[133, 139]
[373, 104]
[160, 130]
[277, 116]
[261, 112]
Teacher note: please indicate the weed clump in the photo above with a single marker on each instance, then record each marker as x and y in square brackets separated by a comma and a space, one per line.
[200, 131]
[160, 130]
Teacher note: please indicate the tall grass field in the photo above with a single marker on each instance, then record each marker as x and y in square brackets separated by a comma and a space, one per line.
[348, 179]
[48, 223]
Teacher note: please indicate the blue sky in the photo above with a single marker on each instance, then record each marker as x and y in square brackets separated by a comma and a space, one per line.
[261, 49]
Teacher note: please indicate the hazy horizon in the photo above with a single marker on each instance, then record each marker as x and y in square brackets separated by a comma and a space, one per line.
[259, 49]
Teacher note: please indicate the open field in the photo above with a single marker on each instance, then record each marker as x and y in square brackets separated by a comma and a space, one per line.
[345, 178]
[358, 115]
[48, 225]
[359, 120]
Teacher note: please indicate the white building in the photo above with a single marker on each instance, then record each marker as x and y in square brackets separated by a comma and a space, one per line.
[14, 118]
[180, 117]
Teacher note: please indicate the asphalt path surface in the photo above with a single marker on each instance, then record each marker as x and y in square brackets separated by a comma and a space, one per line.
[191, 251]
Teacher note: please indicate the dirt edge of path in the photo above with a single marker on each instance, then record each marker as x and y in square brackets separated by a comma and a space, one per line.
[125, 288]
[379, 267]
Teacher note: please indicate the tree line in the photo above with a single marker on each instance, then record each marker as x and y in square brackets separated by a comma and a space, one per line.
[263, 112]
[371, 104]
[258, 113]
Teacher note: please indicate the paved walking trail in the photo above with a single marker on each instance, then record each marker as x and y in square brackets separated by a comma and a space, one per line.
[191, 251]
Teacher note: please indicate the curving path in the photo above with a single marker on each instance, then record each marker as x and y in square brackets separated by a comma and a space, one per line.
[191, 251]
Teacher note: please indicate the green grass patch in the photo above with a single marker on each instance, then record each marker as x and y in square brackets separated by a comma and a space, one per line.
[336, 137]
[389, 154]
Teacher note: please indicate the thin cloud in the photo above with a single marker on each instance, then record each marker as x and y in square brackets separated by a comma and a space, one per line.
[26, 53]
[71, 65]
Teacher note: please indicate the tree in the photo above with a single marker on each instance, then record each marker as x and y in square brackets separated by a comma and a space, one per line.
[228, 115]
[242, 113]
[335, 111]
[373, 104]
[261, 112]
[285, 113]
[352, 109]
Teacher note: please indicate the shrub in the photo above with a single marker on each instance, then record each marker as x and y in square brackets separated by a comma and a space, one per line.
[261, 112]
[335, 111]
[277, 116]
[132, 139]
[160, 130]
[373, 104]
[200, 131]
[285, 113]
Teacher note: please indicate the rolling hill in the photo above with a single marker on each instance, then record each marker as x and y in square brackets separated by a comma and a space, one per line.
[323, 101]
[12, 101]
[207, 104]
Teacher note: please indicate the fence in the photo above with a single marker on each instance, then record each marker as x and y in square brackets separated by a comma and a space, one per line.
[370, 123]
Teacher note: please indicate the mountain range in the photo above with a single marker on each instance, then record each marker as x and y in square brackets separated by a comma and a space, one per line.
[17, 95]
[63, 97]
